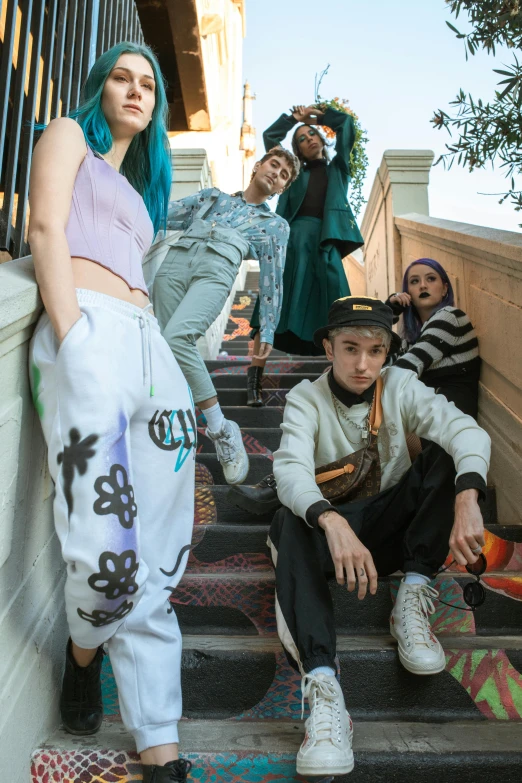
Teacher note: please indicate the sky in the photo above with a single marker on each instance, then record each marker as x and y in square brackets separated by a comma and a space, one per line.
[396, 63]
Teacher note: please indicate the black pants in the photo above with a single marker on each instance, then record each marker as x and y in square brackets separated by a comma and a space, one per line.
[406, 527]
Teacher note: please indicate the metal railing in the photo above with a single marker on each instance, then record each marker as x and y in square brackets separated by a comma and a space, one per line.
[46, 50]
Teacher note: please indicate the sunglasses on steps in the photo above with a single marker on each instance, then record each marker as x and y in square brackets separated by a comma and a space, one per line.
[474, 593]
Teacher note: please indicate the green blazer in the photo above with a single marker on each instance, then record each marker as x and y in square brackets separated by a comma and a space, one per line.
[339, 226]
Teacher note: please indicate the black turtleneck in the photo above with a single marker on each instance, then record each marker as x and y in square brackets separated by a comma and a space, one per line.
[315, 196]
[349, 398]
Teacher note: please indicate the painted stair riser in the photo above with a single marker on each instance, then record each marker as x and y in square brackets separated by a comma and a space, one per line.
[87, 765]
[478, 684]
[245, 605]
[259, 466]
[257, 440]
[231, 548]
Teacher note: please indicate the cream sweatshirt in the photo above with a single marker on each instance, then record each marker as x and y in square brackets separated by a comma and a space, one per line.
[312, 436]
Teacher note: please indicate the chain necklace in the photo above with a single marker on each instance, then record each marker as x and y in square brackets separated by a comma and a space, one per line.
[364, 429]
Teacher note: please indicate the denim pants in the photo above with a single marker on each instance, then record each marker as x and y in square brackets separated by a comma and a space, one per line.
[190, 290]
[118, 420]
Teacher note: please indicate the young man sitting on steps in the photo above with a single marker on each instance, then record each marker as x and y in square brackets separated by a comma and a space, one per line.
[197, 275]
[388, 515]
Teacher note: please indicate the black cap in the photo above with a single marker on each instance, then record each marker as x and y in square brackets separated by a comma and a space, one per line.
[358, 311]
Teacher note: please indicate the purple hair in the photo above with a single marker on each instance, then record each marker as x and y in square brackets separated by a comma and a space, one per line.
[411, 322]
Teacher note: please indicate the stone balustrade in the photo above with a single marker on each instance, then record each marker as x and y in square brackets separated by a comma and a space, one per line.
[485, 268]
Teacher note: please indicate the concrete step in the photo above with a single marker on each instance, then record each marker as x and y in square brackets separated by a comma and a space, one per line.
[212, 506]
[271, 397]
[228, 380]
[302, 364]
[217, 669]
[243, 603]
[240, 548]
[262, 751]
[260, 466]
[254, 417]
[233, 350]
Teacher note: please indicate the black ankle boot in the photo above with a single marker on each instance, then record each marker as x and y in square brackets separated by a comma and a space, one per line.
[254, 394]
[81, 698]
[173, 772]
[258, 499]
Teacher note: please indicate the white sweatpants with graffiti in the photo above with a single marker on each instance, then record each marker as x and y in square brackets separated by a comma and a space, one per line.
[118, 419]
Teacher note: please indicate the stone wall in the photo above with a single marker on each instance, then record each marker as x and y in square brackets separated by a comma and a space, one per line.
[355, 272]
[32, 623]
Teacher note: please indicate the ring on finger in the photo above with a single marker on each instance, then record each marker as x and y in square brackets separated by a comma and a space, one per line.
[477, 550]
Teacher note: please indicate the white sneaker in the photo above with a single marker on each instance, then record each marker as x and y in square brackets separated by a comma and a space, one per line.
[327, 746]
[231, 452]
[420, 652]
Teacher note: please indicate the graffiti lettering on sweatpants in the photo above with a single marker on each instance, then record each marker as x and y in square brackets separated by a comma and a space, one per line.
[162, 431]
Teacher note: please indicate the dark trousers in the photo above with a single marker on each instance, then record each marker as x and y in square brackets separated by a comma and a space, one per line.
[406, 527]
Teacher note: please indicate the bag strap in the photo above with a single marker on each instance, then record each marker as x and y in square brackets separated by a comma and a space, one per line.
[331, 474]
[376, 411]
[205, 209]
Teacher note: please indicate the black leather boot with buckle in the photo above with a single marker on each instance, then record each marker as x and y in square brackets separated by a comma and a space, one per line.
[173, 772]
[260, 498]
[254, 394]
[81, 706]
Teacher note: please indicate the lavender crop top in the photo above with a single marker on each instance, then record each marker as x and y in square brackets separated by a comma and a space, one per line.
[109, 223]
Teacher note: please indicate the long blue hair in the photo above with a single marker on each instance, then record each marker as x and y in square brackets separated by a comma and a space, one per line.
[147, 163]
[411, 322]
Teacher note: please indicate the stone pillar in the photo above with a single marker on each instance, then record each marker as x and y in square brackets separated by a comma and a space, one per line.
[248, 135]
[400, 187]
[190, 172]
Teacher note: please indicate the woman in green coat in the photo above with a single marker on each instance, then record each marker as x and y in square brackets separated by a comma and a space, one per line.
[322, 232]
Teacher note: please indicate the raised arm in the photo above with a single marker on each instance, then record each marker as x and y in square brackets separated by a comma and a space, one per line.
[57, 157]
[274, 135]
[343, 126]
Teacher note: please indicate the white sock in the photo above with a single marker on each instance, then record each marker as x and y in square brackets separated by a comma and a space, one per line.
[413, 578]
[215, 418]
[322, 670]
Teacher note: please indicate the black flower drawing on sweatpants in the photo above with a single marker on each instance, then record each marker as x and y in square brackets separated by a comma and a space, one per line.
[116, 496]
[117, 574]
[100, 617]
[75, 457]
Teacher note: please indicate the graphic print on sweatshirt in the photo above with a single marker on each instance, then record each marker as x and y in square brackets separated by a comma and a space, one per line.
[75, 457]
[173, 430]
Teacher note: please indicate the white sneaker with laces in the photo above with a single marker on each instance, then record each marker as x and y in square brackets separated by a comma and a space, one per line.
[420, 652]
[327, 746]
[231, 452]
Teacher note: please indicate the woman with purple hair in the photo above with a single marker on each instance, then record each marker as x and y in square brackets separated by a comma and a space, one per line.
[439, 341]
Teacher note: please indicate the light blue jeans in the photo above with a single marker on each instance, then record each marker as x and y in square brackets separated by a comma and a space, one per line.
[189, 292]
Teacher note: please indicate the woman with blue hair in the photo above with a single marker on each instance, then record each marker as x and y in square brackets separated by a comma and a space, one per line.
[115, 408]
[439, 342]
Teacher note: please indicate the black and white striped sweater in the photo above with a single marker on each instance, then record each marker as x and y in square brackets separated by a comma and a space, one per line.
[446, 357]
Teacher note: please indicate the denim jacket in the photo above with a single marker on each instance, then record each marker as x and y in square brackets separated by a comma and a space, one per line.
[266, 235]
